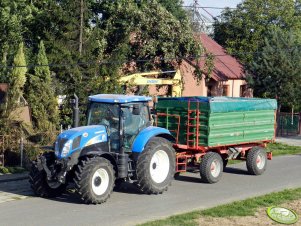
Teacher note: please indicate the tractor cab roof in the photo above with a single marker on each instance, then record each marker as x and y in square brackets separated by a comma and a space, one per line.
[118, 98]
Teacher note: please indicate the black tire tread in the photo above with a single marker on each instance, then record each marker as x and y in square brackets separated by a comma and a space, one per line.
[251, 161]
[145, 183]
[82, 176]
[205, 167]
[37, 180]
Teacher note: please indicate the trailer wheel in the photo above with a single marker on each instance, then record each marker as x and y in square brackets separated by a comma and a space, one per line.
[211, 167]
[94, 180]
[256, 161]
[41, 185]
[156, 166]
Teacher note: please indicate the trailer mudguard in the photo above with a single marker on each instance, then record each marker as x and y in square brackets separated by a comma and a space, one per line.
[146, 134]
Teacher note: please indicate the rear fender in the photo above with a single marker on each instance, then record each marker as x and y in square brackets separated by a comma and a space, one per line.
[146, 134]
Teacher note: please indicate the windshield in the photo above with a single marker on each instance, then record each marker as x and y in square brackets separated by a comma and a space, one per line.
[102, 113]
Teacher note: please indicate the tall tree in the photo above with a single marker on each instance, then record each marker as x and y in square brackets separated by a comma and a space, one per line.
[242, 30]
[276, 71]
[147, 36]
[14, 18]
[41, 95]
[175, 8]
[18, 76]
[113, 38]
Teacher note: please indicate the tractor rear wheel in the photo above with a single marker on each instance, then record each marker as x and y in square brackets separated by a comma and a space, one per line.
[40, 184]
[156, 166]
[211, 168]
[94, 180]
[256, 160]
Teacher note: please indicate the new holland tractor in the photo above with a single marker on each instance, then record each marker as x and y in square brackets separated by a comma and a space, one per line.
[117, 144]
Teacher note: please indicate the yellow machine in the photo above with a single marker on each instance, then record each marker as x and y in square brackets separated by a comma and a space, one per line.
[152, 78]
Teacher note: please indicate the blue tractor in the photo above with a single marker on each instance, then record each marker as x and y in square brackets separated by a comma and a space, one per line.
[119, 143]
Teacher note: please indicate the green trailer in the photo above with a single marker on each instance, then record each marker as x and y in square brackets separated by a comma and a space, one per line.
[209, 131]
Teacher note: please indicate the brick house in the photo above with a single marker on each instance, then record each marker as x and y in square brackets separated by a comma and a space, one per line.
[227, 77]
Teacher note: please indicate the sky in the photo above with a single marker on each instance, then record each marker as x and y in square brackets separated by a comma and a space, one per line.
[214, 3]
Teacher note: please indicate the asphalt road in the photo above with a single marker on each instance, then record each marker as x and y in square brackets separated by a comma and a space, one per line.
[129, 207]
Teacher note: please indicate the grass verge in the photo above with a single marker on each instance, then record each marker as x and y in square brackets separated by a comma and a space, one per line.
[283, 149]
[246, 207]
[11, 169]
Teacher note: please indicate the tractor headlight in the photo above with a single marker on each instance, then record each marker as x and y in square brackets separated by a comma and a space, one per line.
[66, 149]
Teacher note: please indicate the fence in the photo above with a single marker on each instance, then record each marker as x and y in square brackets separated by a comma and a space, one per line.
[3, 145]
[16, 151]
[288, 124]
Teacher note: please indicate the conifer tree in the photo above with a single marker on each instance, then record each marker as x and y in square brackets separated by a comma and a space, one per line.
[17, 77]
[41, 95]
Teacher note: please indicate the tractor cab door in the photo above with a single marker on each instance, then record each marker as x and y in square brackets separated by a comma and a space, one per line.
[108, 115]
[136, 117]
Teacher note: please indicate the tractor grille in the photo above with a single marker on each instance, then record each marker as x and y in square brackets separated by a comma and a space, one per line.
[76, 142]
[61, 143]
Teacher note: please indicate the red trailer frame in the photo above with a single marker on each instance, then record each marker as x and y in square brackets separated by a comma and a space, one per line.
[192, 154]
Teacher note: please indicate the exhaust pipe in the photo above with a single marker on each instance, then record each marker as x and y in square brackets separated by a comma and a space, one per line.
[75, 112]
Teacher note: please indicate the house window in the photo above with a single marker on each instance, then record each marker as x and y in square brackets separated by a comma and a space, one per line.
[209, 91]
[243, 89]
[225, 90]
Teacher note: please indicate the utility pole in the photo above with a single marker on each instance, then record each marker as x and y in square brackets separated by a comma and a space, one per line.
[200, 21]
[80, 48]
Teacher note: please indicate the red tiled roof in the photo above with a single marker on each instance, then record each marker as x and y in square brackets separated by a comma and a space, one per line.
[225, 66]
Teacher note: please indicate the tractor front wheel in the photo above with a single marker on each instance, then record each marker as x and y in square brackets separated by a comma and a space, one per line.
[94, 180]
[40, 184]
[156, 166]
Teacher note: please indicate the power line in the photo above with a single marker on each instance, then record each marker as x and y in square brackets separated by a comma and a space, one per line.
[207, 7]
[109, 62]
[132, 60]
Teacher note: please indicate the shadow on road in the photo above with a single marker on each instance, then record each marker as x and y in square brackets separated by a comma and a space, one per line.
[236, 171]
[187, 178]
[128, 188]
[14, 190]
[72, 197]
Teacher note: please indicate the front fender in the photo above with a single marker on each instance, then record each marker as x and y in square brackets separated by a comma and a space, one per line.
[146, 134]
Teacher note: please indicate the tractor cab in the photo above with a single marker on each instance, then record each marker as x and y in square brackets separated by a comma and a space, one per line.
[123, 116]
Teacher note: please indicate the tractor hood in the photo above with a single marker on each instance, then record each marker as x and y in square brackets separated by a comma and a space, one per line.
[75, 139]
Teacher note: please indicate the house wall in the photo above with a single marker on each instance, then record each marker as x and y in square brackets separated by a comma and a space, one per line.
[194, 88]
[234, 87]
[191, 86]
